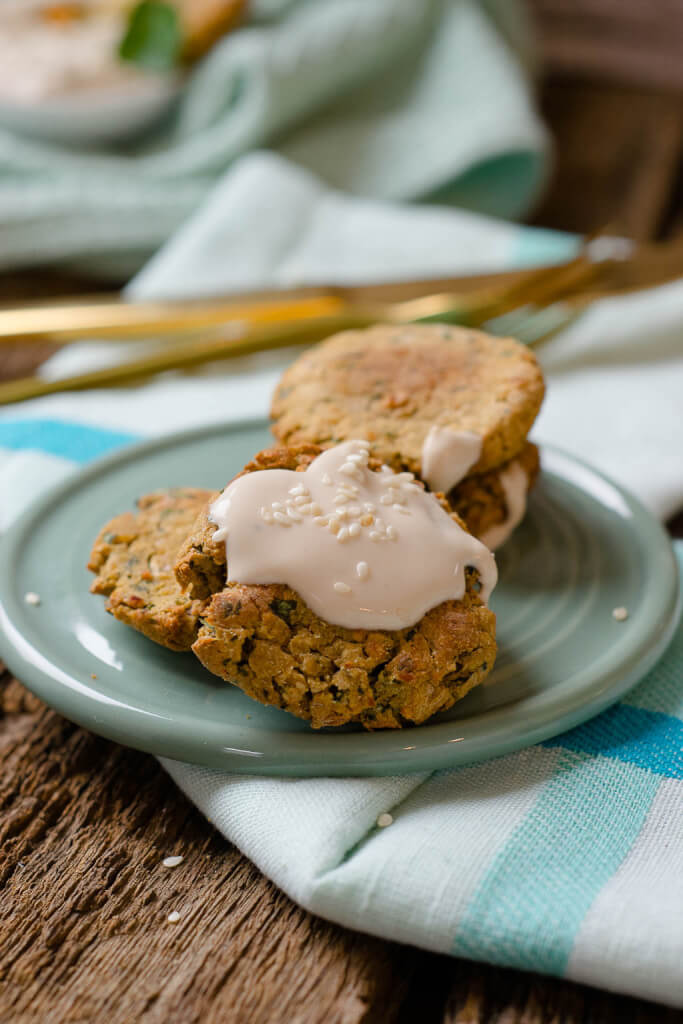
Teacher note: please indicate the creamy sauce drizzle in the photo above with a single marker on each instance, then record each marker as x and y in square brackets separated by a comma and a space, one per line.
[41, 59]
[447, 455]
[364, 549]
[515, 484]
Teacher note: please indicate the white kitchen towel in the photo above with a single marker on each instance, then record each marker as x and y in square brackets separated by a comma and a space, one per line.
[566, 857]
[399, 99]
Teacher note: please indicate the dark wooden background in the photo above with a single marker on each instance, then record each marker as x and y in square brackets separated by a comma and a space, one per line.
[84, 824]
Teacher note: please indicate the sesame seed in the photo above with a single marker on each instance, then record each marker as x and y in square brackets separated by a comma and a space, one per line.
[620, 614]
[32, 598]
[369, 507]
[349, 469]
[320, 520]
[334, 525]
[342, 588]
[342, 513]
[343, 534]
[386, 499]
[341, 499]
[277, 506]
[357, 457]
[354, 510]
[354, 529]
[298, 490]
[173, 917]
[374, 535]
[327, 479]
[172, 862]
[367, 519]
[362, 570]
[400, 508]
[305, 509]
[302, 499]
[315, 508]
[281, 518]
[384, 820]
[265, 514]
[293, 514]
[391, 533]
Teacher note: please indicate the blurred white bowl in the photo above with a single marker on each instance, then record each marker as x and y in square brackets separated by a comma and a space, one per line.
[90, 117]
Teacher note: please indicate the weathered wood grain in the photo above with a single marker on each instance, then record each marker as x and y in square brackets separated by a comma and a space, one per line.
[629, 41]
[618, 152]
[84, 935]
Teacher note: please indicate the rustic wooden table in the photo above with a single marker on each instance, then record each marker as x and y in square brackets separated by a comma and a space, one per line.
[84, 824]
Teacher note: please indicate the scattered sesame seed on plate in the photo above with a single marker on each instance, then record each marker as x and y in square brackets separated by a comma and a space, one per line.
[172, 862]
[32, 598]
[620, 614]
[384, 820]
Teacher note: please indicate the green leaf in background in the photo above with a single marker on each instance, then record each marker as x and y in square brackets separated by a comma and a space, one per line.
[154, 36]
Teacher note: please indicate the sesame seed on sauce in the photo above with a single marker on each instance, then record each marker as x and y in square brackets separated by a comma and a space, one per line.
[358, 507]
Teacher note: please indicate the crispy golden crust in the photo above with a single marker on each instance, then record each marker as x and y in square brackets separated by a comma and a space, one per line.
[133, 560]
[391, 384]
[267, 641]
[480, 500]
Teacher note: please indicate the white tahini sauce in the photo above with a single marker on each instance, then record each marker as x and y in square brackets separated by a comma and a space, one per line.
[364, 549]
[515, 485]
[447, 455]
[41, 58]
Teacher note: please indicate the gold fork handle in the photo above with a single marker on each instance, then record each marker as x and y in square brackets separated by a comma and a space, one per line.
[186, 354]
[71, 322]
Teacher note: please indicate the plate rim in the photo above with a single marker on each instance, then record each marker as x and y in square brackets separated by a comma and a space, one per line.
[438, 748]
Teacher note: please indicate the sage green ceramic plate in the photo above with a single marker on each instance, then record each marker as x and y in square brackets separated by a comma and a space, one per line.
[584, 548]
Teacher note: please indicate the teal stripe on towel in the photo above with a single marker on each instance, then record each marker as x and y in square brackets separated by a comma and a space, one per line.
[75, 441]
[644, 738]
[532, 899]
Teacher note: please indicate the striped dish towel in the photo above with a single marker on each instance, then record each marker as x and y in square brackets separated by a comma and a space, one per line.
[566, 857]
